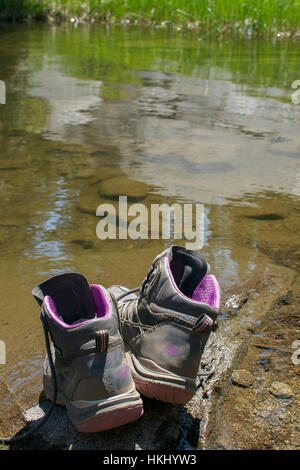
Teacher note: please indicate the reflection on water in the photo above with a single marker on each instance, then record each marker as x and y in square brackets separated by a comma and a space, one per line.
[55, 219]
[205, 123]
[70, 99]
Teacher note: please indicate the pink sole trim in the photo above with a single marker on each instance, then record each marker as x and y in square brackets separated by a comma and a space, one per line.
[111, 420]
[163, 392]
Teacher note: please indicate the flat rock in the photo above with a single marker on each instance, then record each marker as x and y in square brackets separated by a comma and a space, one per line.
[158, 428]
[264, 210]
[292, 223]
[86, 244]
[88, 203]
[281, 390]
[112, 188]
[84, 172]
[106, 172]
[12, 167]
[12, 221]
[242, 378]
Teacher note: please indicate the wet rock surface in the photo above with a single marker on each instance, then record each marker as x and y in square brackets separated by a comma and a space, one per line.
[265, 415]
[281, 390]
[242, 378]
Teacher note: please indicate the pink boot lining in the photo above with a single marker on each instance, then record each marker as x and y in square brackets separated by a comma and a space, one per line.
[101, 304]
[207, 291]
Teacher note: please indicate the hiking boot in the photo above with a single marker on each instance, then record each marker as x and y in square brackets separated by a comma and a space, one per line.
[166, 328]
[92, 375]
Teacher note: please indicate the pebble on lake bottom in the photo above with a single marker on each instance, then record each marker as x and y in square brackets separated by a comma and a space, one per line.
[242, 378]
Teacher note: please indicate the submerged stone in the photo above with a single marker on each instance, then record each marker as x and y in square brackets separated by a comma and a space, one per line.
[292, 223]
[264, 210]
[242, 378]
[11, 167]
[281, 390]
[85, 244]
[265, 216]
[57, 152]
[121, 186]
[104, 173]
[84, 172]
[88, 203]
[13, 221]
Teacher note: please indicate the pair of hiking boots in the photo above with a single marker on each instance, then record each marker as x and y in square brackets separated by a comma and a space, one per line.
[110, 346]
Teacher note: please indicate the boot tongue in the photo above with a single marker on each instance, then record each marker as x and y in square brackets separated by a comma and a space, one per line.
[188, 268]
[71, 295]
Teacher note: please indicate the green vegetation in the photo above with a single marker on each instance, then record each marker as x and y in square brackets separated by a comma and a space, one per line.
[21, 10]
[268, 17]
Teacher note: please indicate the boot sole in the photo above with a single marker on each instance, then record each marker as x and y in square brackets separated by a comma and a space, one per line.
[101, 415]
[158, 383]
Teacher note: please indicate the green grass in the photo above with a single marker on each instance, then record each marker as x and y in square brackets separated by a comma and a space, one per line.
[267, 17]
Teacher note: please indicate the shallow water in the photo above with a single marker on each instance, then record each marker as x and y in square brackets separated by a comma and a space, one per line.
[196, 120]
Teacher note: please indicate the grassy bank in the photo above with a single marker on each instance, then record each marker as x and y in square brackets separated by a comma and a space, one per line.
[267, 17]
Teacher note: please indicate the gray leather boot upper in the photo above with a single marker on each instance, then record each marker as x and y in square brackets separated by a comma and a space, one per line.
[169, 323]
[87, 349]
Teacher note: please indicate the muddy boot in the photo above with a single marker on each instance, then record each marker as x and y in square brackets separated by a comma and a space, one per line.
[93, 378]
[166, 328]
